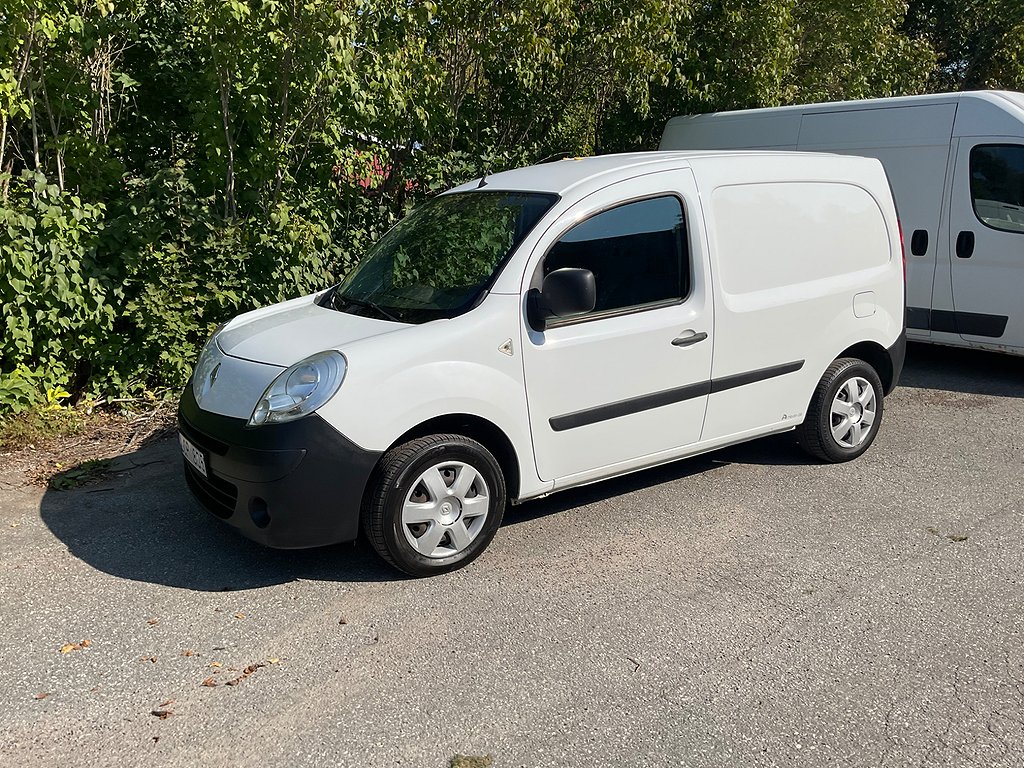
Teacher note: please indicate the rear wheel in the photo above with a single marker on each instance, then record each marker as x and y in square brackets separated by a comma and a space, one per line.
[435, 504]
[845, 412]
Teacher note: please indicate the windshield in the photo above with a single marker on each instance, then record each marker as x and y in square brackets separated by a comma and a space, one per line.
[438, 261]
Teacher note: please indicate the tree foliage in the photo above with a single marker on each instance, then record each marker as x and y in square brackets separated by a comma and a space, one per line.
[165, 164]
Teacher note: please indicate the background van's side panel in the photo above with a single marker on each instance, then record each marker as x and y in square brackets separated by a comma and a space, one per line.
[762, 131]
[998, 114]
[911, 126]
[913, 144]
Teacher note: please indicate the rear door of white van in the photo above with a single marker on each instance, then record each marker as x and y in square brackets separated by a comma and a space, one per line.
[986, 235]
[630, 379]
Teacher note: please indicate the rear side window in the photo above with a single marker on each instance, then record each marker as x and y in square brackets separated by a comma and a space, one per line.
[637, 252]
[997, 185]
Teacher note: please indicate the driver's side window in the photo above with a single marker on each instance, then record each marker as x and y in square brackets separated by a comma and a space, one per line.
[637, 252]
[997, 185]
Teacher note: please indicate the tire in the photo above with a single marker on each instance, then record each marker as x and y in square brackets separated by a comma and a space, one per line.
[834, 431]
[434, 504]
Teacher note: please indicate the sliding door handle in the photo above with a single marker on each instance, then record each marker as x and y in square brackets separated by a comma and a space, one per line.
[688, 337]
[965, 244]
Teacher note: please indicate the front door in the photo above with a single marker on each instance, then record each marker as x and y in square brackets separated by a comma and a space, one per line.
[986, 246]
[629, 379]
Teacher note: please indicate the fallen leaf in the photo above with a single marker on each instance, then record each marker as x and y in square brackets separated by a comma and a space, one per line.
[163, 714]
[188, 652]
[214, 664]
[69, 647]
[239, 615]
[40, 696]
[273, 660]
[167, 703]
[343, 620]
[245, 673]
[151, 622]
[210, 682]
[15, 525]
[148, 658]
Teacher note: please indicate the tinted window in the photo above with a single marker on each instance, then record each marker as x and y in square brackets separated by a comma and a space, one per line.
[997, 185]
[637, 253]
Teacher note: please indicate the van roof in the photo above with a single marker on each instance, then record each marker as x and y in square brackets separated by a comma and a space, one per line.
[998, 98]
[1008, 100]
[561, 176]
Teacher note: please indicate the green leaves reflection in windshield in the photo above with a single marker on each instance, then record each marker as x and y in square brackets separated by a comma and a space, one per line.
[437, 261]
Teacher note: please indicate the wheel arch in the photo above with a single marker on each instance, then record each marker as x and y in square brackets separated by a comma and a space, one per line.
[476, 428]
[877, 356]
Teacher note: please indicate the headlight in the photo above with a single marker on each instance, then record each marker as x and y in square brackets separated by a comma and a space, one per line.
[209, 358]
[301, 389]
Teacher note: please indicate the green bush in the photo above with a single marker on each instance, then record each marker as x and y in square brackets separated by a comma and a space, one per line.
[59, 300]
[116, 302]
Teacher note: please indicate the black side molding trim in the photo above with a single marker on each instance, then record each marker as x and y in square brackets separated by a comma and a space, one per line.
[630, 406]
[667, 397]
[742, 379]
[967, 323]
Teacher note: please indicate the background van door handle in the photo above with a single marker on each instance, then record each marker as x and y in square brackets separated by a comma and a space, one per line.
[686, 338]
[965, 244]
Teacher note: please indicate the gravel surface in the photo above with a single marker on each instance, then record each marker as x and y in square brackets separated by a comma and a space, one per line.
[747, 608]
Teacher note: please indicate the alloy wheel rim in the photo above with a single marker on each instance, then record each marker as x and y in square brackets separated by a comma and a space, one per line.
[445, 509]
[854, 409]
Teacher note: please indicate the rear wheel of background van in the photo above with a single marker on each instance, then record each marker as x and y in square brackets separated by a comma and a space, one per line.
[845, 412]
[434, 504]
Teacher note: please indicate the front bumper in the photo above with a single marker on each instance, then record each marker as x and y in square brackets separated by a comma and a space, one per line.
[290, 486]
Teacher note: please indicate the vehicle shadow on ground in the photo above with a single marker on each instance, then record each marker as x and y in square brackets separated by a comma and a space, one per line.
[970, 371]
[141, 523]
[776, 450]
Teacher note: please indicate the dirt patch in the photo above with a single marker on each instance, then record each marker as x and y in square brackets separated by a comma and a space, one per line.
[81, 458]
[954, 400]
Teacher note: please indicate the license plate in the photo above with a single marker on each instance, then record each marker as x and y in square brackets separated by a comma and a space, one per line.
[193, 455]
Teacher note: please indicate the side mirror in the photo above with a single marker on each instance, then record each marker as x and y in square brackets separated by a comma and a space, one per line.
[565, 292]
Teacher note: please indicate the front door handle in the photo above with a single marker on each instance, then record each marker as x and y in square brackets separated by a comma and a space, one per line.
[965, 244]
[688, 337]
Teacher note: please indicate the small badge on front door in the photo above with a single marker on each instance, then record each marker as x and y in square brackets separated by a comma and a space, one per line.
[506, 348]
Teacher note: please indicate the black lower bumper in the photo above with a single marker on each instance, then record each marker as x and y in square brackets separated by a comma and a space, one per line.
[897, 356]
[292, 485]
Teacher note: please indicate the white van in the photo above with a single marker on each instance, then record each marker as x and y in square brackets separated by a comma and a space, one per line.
[956, 164]
[548, 327]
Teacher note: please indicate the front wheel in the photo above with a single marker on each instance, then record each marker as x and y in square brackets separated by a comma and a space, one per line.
[434, 504]
[845, 412]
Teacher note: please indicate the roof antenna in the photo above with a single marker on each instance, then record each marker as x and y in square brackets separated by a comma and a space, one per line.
[483, 181]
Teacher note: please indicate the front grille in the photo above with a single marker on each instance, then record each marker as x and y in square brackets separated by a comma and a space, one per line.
[205, 442]
[217, 495]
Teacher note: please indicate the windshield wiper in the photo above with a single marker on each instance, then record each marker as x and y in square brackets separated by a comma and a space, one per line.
[368, 304]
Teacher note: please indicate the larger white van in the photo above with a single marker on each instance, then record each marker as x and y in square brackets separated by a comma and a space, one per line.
[548, 327]
[956, 164]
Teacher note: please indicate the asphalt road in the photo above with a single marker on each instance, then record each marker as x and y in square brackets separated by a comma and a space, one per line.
[748, 608]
